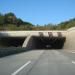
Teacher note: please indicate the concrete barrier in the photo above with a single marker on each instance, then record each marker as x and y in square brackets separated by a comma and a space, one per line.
[10, 51]
[29, 42]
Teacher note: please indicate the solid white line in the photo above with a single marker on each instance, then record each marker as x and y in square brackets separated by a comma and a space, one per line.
[73, 62]
[14, 73]
[73, 52]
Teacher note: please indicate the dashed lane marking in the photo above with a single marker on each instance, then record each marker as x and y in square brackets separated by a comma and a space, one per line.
[17, 71]
[73, 62]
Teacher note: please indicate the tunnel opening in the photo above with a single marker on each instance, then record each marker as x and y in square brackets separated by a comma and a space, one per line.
[49, 42]
[12, 41]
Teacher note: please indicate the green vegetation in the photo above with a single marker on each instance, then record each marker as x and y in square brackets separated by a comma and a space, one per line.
[9, 21]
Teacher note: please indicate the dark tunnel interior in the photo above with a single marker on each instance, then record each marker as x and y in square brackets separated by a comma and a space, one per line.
[49, 42]
[11, 41]
[38, 42]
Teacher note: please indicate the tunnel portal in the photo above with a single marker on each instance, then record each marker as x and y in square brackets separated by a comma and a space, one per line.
[35, 42]
[37, 39]
[49, 42]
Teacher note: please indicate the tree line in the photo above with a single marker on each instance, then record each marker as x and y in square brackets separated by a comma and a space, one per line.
[9, 21]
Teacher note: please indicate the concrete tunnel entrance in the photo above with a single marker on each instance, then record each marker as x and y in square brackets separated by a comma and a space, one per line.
[48, 42]
[35, 42]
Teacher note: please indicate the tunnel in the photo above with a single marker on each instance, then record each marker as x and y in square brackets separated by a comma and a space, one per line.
[11, 41]
[48, 42]
[35, 42]
[62, 39]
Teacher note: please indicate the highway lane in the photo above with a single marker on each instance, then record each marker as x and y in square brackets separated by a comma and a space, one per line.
[69, 53]
[10, 64]
[39, 62]
[53, 63]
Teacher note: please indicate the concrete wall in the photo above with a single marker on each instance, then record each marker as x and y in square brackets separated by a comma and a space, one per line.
[29, 42]
[27, 33]
[70, 39]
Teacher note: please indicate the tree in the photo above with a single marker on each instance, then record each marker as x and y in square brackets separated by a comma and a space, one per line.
[27, 23]
[19, 22]
[10, 18]
[1, 19]
[66, 24]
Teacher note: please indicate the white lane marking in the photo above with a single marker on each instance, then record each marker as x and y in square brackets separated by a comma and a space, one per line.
[73, 62]
[14, 73]
[72, 52]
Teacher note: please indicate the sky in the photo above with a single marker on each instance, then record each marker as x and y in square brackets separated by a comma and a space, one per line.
[40, 11]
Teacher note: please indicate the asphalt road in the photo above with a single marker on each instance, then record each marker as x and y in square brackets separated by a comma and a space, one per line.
[39, 62]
